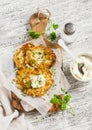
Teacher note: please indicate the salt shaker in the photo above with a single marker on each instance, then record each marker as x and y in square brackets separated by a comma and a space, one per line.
[68, 33]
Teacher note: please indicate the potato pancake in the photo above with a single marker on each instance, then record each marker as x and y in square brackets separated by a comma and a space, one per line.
[34, 81]
[40, 56]
[19, 56]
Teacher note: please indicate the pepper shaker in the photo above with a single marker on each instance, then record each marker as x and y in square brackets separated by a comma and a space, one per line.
[68, 33]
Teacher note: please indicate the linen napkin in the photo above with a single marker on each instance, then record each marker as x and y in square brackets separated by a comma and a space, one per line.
[11, 119]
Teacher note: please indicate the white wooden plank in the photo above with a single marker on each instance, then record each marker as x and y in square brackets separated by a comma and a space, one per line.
[14, 20]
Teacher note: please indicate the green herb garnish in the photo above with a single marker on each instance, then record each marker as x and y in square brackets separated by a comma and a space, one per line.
[15, 69]
[67, 98]
[52, 36]
[55, 26]
[27, 82]
[56, 99]
[63, 90]
[23, 94]
[63, 101]
[52, 28]
[47, 94]
[28, 66]
[39, 53]
[34, 35]
[63, 106]
[45, 53]
[71, 109]
[53, 71]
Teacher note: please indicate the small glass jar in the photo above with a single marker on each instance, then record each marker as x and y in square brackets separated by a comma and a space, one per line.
[68, 33]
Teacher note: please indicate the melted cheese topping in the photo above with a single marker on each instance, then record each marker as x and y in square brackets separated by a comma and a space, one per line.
[38, 81]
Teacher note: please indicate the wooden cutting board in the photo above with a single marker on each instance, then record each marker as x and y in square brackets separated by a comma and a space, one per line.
[38, 24]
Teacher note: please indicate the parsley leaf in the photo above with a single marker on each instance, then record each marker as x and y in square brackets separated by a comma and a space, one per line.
[56, 99]
[63, 90]
[63, 106]
[52, 36]
[55, 26]
[71, 109]
[23, 94]
[52, 29]
[63, 101]
[67, 98]
[34, 35]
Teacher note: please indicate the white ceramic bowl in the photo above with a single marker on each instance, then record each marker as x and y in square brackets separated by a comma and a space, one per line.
[71, 66]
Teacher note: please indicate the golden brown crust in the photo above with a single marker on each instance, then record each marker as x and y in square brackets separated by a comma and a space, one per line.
[19, 56]
[40, 56]
[25, 85]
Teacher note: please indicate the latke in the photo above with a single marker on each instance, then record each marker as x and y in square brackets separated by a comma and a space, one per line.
[29, 80]
[40, 56]
[19, 56]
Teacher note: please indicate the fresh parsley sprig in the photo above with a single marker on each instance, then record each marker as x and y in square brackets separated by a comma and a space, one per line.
[63, 101]
[52, 36]
[55, 26]
[52, 28]
[34, 35]
[24, 95]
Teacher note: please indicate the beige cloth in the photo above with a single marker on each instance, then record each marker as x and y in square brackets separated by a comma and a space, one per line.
[10, 119]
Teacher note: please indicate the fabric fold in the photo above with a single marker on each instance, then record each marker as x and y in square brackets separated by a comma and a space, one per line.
[10, 119]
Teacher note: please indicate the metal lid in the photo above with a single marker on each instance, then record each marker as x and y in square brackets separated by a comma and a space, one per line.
[69, 28]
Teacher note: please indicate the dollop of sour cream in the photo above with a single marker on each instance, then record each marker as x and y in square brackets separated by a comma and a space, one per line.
[38, 81]
[86, 62]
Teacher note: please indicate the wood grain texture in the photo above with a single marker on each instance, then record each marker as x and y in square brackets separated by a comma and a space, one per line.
[14, 20]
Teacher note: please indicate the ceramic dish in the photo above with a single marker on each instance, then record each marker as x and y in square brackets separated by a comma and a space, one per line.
[81, 73]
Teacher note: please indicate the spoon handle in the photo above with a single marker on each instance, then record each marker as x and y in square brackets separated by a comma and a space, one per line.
[62, 44]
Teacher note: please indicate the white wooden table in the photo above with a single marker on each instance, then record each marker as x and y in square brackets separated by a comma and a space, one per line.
[14, 20]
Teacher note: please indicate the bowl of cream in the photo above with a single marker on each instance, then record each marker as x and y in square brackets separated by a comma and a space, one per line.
[81, 67]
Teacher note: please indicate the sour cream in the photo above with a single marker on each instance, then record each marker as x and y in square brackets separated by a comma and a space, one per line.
[38, 81]
[81, 67]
